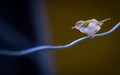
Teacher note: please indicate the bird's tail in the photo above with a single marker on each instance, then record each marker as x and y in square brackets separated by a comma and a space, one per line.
[102, 21]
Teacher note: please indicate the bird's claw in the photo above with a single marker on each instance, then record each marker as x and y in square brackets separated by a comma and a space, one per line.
[91, 35]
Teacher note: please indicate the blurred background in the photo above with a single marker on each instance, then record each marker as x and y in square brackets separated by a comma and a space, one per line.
[29, 23]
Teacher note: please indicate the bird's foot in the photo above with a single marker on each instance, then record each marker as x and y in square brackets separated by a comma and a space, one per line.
[92, 35]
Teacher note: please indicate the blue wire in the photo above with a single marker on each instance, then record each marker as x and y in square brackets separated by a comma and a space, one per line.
[49, 47]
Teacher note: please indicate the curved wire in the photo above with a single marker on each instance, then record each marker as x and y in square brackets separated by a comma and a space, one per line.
[46, 47]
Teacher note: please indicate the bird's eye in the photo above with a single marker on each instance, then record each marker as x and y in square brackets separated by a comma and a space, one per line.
[78, 25]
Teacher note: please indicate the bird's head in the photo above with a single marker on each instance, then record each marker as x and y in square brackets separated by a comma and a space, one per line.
[78, 24]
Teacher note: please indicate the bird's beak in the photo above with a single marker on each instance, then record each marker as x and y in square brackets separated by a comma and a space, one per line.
[73, 27]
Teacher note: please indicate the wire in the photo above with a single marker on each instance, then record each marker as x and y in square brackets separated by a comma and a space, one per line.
[49, 47]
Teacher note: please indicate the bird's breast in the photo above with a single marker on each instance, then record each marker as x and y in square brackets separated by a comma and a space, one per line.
[91, 28]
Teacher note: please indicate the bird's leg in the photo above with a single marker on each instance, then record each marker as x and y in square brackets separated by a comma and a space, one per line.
[92, 35]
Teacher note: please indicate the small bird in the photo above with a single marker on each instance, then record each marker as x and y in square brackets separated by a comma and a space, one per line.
[89, 27]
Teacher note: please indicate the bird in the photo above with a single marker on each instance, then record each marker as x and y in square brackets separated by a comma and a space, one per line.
[89, 27]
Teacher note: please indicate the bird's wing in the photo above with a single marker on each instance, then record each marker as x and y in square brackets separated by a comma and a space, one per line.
[86, 23]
